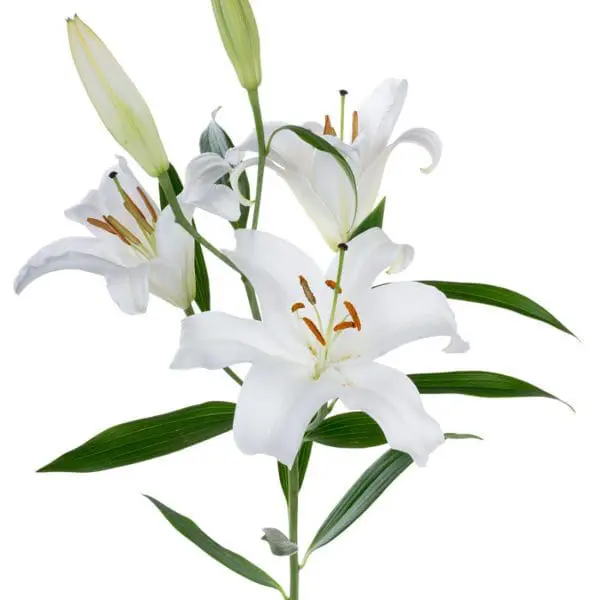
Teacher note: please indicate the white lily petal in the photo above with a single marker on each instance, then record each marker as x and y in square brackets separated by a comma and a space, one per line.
[127, 285]
[378, 115]
[172, 275]
[274, 267]
[214, 340]
[202, 190]
[398, 313]
[333, 188]
[264, 256]
[369, 254]
[208, 167]
[277, 402]
[129, 288]
[116, 99]
[426, 139]
[107, 200]
[393, 401]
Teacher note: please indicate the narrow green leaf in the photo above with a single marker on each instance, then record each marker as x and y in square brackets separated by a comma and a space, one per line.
[492, 295]
[202, 279]
[358, 430]
[323, 145]
[479, 383]
[373, 219]
[238, 564]
[371, 484]
[215, 139]
[303, 460]
[148, 438]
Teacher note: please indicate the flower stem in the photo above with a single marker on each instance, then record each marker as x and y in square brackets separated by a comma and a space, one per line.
[252, 301]
[262, 153]
[167, 187]
[293, 492]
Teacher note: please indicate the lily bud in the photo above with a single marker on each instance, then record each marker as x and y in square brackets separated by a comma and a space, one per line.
[116, 99]
[239, 35]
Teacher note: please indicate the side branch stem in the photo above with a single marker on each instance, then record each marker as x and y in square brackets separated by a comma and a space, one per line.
[262, 154]
[180, 218]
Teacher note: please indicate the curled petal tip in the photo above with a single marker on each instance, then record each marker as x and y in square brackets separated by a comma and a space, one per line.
[457, 345]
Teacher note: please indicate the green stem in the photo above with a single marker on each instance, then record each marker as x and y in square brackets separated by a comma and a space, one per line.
[252, 300]
[262, 153]
[167, 187]
[293, 492]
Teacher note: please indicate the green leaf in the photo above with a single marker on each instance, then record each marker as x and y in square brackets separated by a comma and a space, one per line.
[479, 383]
[238, 564]
[374, 219]
[323, 145]
[140, 440]
[215, 139]
[357, 430]
[371, 484]
[202, 280]
[303, 460]
[492, 295]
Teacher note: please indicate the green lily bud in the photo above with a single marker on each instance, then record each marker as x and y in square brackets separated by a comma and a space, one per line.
[239, 34]
[116, 99]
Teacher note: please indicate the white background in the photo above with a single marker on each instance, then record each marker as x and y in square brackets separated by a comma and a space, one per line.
[512, 88]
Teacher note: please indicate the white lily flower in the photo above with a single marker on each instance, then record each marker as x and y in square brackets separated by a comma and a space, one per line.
[136, 248]
[317, 180]
[116, 99]
[311, 348]
[205, 187]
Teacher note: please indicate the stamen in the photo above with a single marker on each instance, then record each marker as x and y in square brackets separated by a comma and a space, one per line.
[131, 207]
[331, 284]
[102, 225]
[297, 306]
[354, 125]
[307, 291]
[315, 331]
[352, 311]
[148, 203]
[345, 325]
[328, 129]
[122, 231]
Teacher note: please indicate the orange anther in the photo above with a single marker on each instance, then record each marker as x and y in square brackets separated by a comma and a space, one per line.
[354, 125]
[315, 331]
[297, 306]
[352, 311]
[306, 289]
[345, 325]
[328, 129]
[330, 283]
[148, 203]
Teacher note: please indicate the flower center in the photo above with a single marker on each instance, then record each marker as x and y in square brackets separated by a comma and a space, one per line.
[109, 223]
[324, 339]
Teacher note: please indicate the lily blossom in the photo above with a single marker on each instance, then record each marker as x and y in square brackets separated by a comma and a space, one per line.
[318, 341]
[317, 180]
[206, 188]
[137, 248]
